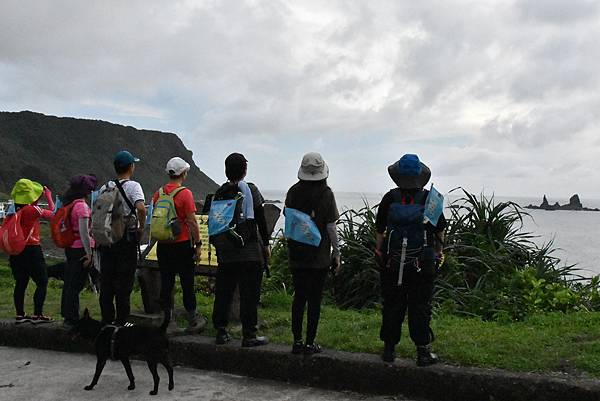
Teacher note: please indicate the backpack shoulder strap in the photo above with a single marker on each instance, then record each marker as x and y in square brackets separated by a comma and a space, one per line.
[176, 191]
[124, 195]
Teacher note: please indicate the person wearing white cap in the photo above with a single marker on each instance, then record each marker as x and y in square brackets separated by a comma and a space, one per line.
[310, 264]
[176, 256]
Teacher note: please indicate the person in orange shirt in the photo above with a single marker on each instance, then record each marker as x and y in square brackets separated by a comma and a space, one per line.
[30, 263]
[178, 257]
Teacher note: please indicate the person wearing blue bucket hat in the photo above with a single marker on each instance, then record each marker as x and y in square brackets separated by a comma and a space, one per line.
[408, 251]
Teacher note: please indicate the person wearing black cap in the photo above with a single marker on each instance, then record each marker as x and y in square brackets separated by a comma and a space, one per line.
[118, 261]
[408, 251]
[241, 265]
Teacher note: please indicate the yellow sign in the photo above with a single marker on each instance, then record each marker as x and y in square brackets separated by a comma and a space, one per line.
[209, 254]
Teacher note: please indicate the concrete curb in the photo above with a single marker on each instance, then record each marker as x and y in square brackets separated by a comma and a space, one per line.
[335, 370]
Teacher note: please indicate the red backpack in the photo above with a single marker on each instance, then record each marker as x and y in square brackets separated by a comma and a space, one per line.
[12, 237]
[61, 227]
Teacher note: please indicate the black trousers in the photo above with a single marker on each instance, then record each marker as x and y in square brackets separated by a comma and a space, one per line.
[308, 291]
[117, 274]
[176, 259]
[415, 296]
[29, 264]
[229, 276]
[75, 276]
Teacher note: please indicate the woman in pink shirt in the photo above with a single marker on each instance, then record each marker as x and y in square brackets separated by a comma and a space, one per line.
[30, 263]
[79, 254]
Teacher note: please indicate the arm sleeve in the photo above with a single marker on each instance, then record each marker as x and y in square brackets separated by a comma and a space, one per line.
[333, 237]
[382, 213]
[84, 234]
[259, 215]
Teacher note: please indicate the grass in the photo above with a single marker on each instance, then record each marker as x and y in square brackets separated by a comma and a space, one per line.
[552, 342]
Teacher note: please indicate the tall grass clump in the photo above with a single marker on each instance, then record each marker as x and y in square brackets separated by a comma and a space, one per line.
[495, 270]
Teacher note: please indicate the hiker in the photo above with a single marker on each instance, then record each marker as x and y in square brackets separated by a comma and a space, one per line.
[120, 202]
[310, 263]
[30, 262]
[175, 228]
[408, 252]
[79, 252]
[241, 252]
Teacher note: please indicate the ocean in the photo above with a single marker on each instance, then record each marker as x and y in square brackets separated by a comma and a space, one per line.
[576, 235]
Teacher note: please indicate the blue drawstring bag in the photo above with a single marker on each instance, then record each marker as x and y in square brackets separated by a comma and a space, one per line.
[221, 215]
[434, 206]
[300, 227]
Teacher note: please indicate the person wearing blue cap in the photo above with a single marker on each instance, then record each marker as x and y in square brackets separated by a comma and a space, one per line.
[408, 251]
[118, 260]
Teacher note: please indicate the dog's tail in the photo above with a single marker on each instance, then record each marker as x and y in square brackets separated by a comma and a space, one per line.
[166, 321]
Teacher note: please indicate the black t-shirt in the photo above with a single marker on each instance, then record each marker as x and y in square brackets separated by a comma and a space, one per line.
[382, 212]
[307, 196]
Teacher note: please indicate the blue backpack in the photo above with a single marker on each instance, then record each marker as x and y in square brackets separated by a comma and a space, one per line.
[301, 227]
[226, 222]
[405, 224]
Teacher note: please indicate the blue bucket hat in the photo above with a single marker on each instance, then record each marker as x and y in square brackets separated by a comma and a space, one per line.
[409, 172]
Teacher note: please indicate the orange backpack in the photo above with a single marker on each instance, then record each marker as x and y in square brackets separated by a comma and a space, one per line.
[61, 228]
[12, 237]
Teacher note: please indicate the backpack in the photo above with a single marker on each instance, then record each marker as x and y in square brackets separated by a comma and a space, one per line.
[165, 225]
[408, 236]
[12, 237]
[302, 232]
[61, 228]
[109, 222]
[226, 218]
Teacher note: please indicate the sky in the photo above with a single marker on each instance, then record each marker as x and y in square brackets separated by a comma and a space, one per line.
[501, 96]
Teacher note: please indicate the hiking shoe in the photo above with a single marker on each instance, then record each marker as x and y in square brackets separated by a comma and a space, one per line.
[222, 338]
[41, 319]
[425, 357]
[254, 342]
[389, 353]
[69, 325]
[298, 347]
[22, 319]
[312, 349]
[196, 326]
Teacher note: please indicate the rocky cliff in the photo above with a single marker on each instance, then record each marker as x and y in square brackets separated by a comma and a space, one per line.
[51, 149]
[574, 204]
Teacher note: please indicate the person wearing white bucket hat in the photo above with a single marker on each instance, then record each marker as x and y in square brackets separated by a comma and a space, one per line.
[310, 263]
[176, 255]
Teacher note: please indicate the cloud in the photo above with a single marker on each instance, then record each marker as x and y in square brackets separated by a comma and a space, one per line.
[491, 94]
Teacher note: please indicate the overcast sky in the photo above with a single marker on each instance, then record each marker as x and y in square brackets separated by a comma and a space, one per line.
[501, 95]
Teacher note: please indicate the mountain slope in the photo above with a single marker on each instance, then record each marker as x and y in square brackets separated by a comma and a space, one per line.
[51, 149]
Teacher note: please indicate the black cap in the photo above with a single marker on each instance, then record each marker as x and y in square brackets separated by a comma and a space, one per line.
[235, 159]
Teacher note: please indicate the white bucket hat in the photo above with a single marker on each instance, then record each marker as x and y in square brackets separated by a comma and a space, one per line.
[313, 168]
[177, 166]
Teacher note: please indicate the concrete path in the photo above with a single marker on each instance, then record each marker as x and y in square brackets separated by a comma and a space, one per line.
[30, 374]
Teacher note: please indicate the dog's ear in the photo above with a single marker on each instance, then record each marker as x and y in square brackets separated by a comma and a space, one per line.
[86, 313]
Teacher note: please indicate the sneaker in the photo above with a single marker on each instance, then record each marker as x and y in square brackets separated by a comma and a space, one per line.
[254, 342]
[222, 338]
[312, 349]
[196, 326]
[425, 357]
[41, 319]
[298, 347]
[389, 353]
[22, 319]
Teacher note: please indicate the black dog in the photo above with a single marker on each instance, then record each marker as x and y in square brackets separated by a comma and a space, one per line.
[119, 343]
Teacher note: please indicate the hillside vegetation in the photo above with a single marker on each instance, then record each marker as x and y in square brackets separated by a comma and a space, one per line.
[51, 149]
